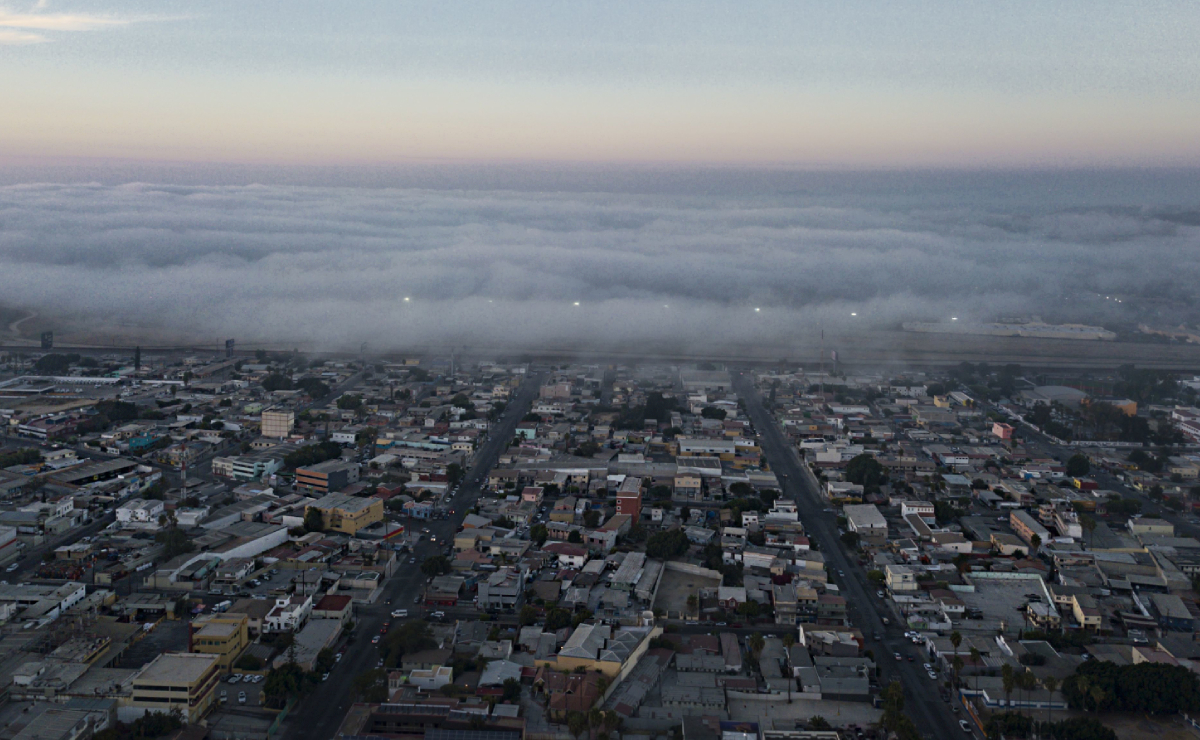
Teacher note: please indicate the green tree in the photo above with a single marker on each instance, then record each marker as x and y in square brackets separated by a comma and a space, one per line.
[817, 722]
[666, 545]
[175, 542]
[591, 518]
[512, 690]
[1009, 681]
[1078, 465]
[866, 471]
[313, 520]
[370, 686]
[435, 565]
[528, 616]
[349, 402]
[577, 723]
[412, 636]
[756, 644]
[538, 534]
[574, 537]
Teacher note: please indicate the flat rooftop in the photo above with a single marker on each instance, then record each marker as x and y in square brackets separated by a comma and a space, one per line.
[175, 668]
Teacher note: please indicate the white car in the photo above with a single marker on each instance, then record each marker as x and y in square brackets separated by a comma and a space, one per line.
[12, 567]
[399, 613]
[235, 678]
[928, 668]
[933, 675]
[241, 697]
[966, 727]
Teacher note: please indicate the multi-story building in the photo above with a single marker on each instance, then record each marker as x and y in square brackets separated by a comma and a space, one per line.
[502, 589]
[183, 681]
[223, 635]
[899, 578]
[1025, 527]
[867, 521]
[140, 513]
[348, 514]
[629, 500]
[278, 424]
[327, 477]
[289, 614]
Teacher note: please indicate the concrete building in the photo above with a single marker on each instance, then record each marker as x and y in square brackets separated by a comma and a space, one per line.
[223, 635]
[347, 514]
[1025, 527]
[289, 614]
[502, 589]
[867, 521]
[140, 513]
[899, 578]
[327, 477]
[183, 681]
[278, 424]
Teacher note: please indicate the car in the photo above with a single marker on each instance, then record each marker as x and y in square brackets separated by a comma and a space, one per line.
[932, 675]
[911, 659]
[399, 613]
[878, 637]
[898, 656]
[235, 678]
[325, 677]
[721, 624]
[879, 594]
[964, 725]
[927, 667]
[841, 573]
[417, 599]
[438, 615]
[375, 640]
[241, 697]
[258, 678]
[337, 658]
[411, 561]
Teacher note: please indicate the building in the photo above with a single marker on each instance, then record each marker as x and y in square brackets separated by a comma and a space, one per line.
[629, 502]
[278, 424]
[289, 614]
[1172, 613]
[867, 521]
[1025, 527]
[327, 477]
[502, 589]
[1146, 525]
[899, 578]
[1002, 430]
[140, 513]
[223, 635]
[347, 514]
[183, 681]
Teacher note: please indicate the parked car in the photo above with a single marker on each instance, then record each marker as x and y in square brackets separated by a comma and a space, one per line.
[966, 727]
[933, 675]
[375, 640]
[241, 697]
[399, 613]
[235, 678]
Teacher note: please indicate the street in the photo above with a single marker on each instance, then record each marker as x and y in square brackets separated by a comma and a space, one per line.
[321, 713]
[923, 704]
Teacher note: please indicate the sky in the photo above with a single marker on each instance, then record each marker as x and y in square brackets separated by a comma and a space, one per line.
[848, 85]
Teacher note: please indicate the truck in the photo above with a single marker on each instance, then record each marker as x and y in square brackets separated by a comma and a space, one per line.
[224, 605]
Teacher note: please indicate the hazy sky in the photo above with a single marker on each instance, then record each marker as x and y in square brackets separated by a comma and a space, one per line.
[814, 84]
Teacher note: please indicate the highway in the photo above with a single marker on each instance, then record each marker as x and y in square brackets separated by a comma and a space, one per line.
[321, 713]
[923, 704]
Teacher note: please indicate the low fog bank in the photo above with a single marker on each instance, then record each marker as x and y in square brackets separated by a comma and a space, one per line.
[328, 267]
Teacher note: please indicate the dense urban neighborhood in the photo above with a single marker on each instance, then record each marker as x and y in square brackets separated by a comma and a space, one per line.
[446, 548]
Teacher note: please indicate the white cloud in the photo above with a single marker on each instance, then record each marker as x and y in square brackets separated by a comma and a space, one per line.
[59, 21]
[330, 266]
[9, 37]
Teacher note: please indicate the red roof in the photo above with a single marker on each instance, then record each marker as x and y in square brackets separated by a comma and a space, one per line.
[333, 603]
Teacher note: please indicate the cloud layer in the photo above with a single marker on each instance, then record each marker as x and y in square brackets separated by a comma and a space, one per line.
[331, 267]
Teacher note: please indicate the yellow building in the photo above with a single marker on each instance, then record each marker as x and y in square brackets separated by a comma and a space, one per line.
[348, 514]
[223, 635]
[183, 681]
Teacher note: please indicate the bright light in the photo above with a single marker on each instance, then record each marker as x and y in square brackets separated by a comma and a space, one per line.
[576, 303]
[853, 314]
[954, 318]
[406, 299]
[757, 310]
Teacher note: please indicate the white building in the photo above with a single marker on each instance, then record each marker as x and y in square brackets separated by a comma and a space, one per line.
[288, 614]
[140, 513]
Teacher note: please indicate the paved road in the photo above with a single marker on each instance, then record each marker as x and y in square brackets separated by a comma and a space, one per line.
[321, 713]
[922, 700]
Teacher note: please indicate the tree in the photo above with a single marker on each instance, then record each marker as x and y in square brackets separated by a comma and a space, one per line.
[276, 382]
[817, 722]
[512, 690]
[410, 637]
[538, 533]
[175, 542]
[557, 619]
[850, 539]
[528, 615]
[1088, 523]
[314, 521]
[712, 412]
[1051, 684]
[665, 545]
[1078, 465]
[435, 565]
[1009, 680]
[756, 644]
[574, 537]
[692, 603]
[956, 640]
[591, 518]
[976, 660]
[577, 723]
[370, 686]
[866, 471]
[1035, 542]
[349, 402]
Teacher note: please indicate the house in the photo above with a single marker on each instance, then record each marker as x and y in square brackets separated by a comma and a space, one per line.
[867, 521]
[347, 514]
[289, 614]
[569, 556]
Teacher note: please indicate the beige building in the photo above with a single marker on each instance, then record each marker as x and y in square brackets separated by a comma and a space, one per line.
[223, 635]
[278, 424]
[183, 681]
[348, 514]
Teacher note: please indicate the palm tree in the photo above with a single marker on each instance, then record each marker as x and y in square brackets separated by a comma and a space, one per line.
[957, 665]
[976, 659]
[692, 602]
[1051, 683]
[595, 719]
[1088, 522]
[1028, 681]
[756, 643]
[576, 724]
[956, 640]
[1035, 542]
[788, 641]
[1010, 681]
